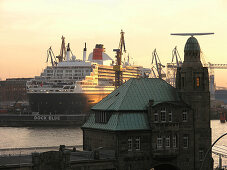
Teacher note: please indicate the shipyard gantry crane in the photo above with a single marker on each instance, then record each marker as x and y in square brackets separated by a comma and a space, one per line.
[62, 55]
[172, 67]
[211, 67]
[118, 66]
[50, 54]
[157, 66]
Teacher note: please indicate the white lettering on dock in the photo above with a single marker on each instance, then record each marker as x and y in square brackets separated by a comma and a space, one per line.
[46, 117]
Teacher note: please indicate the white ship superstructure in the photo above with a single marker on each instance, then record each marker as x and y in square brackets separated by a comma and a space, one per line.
[72, 86]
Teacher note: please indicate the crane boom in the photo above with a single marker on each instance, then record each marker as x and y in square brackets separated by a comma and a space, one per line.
[216, 66]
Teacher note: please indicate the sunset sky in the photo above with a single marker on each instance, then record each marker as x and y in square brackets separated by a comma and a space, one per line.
[29, 27]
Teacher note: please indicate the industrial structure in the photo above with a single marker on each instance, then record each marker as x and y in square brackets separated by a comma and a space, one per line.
[157, 67]
[118, 66]
[172, 67]
[70, 86]
[13, 96]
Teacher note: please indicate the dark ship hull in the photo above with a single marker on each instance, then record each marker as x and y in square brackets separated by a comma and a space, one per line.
[63, 103]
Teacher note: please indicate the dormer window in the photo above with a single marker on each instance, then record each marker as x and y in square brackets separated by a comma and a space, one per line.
[102, 117]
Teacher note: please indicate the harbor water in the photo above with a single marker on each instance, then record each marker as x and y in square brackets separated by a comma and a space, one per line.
[48, 138]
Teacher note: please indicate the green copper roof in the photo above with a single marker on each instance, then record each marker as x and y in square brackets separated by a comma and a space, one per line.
[134, 95]
[192, 45]
[120, 121]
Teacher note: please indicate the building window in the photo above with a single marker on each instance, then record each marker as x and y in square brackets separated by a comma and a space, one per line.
[184, 116]
[163, 114]
[201, 155]
[159, 142]
[197, 81]
[170, 116]
[185, 142]
[167, 141]
[174, 141]
[103, 117]
[155, 117]
[137, 143]
[130, 143]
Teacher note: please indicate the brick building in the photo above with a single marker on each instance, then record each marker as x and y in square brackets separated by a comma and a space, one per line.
[150, 124]
[12, 90]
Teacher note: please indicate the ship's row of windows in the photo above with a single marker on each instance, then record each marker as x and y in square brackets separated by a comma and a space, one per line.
[69, 71]
[69, 74]
[168, 117]
[61, 102]
[69, 77]
[65, 90]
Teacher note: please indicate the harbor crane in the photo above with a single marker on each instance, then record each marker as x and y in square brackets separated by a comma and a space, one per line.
[50, 54]
[62, 55]
[157, 66]
[118, 66]
[172, 67]
[211, 67]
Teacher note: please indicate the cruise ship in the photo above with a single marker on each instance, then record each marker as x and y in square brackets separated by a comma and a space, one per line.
[72, 86]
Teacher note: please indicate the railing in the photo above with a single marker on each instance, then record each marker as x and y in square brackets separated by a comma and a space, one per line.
[220, 151]
[27, 151]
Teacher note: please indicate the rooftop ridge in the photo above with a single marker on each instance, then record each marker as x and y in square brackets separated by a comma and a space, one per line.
[136, 93]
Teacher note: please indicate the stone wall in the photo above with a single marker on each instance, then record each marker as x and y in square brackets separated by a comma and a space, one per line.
[94, 139]
[134, 159]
